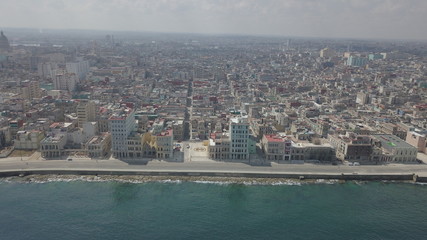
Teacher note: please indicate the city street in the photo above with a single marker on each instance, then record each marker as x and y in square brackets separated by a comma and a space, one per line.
[8, 164]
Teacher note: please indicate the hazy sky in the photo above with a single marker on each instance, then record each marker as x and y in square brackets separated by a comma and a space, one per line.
[311, 18]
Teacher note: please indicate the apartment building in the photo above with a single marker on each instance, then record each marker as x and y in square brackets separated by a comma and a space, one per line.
[121, 123]
[99, 146]
[352, 148]
[394, 149]
[53, 146]
[276, 148]
[85, 112]
[28, 140]
[239, 136]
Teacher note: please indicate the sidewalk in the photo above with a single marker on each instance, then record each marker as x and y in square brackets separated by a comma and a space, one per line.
[422, 157]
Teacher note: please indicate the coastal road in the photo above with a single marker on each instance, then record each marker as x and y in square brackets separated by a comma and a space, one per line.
[8, 164]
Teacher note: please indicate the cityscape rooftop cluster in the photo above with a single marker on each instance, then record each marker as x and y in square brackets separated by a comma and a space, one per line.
[227, 98]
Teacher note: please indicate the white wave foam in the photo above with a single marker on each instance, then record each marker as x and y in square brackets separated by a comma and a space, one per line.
[174, 180]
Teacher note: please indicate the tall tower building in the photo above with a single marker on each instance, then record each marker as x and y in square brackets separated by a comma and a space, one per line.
[79, 67]
[327, 53]
[4, 43]
[357, 61]
[85, 112]
[65, 81]
[362, 98]
[47, 70]
[121, 123]
[30, 89]
[239, 137]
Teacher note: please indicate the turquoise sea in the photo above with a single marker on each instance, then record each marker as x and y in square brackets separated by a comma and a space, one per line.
[189, 210]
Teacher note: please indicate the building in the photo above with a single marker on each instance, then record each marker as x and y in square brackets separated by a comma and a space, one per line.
[418, 140]
[53, 146]
[276, 148]
[319, 126]
[4, 43]
[353, 148]
[164, 144]
[178, 130]
[394, 129]
[85, 112]
[30, 90]
[239, 136]
[28, 140]
[80, 68]
[5, 137]
[99, 146]
[47, 70]
[121, 123]
[309, 152]
[395, 149]
[362, 98]
[65, 81]
[219, 146]
[356, 61]
[327, 53]
[375, 56]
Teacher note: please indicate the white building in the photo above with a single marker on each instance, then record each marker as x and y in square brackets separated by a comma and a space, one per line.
[395, 149]
[79, 67]
[47, 70]
[28, 140]
[53, 146]
[122, 123]
[65, 81]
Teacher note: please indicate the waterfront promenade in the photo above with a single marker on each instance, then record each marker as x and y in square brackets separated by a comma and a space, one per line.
[38, 165]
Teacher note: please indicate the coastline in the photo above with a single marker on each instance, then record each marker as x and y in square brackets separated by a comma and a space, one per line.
[211, 176]
[215, 171]
[137, 179]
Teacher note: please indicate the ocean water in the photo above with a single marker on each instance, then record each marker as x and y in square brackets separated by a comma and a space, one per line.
[190, 210]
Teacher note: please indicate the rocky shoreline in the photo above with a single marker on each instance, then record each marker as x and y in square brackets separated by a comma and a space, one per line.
[135, 179]
[166, 179]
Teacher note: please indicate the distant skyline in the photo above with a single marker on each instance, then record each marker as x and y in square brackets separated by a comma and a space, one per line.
[384, 19]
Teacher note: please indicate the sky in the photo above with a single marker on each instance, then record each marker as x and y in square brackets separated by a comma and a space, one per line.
[381, 19]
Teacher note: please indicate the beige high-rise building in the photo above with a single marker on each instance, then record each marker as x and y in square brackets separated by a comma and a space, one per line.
[85, 112]
[327, 53]
[30, 90]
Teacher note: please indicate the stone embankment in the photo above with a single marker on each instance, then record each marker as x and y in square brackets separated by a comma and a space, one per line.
[221, 174]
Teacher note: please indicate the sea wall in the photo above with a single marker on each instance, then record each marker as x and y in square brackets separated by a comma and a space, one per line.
[300, 176]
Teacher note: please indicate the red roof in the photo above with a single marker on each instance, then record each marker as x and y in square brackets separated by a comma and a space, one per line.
[274, 138]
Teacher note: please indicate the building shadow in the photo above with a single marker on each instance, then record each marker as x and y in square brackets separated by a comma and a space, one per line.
[135, 161]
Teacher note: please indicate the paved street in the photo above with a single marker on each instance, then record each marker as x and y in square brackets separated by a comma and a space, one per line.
[32, 163]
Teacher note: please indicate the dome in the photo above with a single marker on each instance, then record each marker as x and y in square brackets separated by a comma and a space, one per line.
[4, 42]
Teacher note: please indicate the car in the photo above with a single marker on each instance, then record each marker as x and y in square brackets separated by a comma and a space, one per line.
[188, 146]
[69, 159]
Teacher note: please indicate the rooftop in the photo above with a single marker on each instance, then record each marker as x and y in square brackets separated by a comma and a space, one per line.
[274, 138]
[389, 141]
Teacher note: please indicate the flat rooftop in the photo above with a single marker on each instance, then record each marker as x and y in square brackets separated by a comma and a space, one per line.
[389, 141]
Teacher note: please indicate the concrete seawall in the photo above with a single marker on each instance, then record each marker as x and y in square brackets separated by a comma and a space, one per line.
[300, 176]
